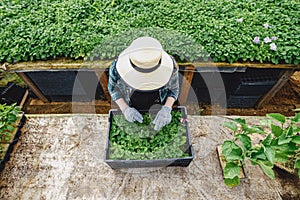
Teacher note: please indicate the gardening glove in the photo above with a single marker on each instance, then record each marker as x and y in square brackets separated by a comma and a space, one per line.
[162, 118]
[132, 115]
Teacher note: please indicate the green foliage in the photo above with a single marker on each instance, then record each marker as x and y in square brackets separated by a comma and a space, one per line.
[221, 29]
[280, 144]
[231, 182]
[139, 141]
[231, 170]
[9, 114]
[6, 77]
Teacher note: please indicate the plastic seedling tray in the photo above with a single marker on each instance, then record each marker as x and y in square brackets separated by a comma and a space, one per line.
[146, 163]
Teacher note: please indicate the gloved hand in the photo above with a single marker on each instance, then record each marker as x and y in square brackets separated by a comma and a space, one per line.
[132, 115]
[162, 118]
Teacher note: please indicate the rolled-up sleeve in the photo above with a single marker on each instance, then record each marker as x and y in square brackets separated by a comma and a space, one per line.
[173, 90]
[114, 76]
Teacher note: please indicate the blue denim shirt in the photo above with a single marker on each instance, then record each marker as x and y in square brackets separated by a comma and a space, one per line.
[119, 89]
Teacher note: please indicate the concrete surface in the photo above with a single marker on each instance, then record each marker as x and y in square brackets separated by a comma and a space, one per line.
[62, 157]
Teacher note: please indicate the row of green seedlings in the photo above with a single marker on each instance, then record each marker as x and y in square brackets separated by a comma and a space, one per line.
[139, 141]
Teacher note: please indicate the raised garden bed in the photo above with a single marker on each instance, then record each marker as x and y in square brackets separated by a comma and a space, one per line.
[133, 145]
[12, 120]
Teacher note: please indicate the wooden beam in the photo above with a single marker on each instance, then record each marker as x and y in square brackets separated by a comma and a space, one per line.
[186, 84]
[32, 86]
[244, 64]
[103, 81]
[102, 64]
[39, 107]
[273, 91]
[22, 103]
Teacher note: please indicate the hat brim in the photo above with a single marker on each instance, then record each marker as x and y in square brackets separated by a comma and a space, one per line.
[146, 81]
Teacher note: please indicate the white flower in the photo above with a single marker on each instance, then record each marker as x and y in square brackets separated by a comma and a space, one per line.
[240, 20]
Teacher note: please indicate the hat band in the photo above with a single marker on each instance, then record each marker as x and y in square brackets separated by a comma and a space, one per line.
[143, 70]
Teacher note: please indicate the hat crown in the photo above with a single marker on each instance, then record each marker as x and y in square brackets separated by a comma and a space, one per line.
[145, 59]
[145, 52]
[144, 65]
[144, 42]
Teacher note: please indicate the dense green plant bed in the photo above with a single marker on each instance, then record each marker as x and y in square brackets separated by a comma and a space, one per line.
[139, 141]
[228, 30]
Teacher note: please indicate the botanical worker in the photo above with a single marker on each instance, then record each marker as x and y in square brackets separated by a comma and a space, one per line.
[144, 75]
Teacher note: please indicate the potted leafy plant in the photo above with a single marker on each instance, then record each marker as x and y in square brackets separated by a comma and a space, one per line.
[11, 121]
[278, 143]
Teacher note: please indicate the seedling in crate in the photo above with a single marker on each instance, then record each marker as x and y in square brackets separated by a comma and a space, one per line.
[139, 141]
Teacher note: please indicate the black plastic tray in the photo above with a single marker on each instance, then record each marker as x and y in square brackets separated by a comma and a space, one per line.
[242, 101]
[180, 162]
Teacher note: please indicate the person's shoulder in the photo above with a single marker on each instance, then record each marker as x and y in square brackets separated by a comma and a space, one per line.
[175, 65]
[114, 63]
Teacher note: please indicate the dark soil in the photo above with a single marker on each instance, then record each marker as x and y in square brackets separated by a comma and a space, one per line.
[287, 182]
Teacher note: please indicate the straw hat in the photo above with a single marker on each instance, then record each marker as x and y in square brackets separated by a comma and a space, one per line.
[144, 65]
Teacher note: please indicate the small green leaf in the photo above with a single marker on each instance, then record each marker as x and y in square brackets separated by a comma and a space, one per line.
[283, 139]
[10, 128]
[296, 139]
[231, 151]
[290, 131]
[254, 129]
[259, 155]
[296, 118]
[231, 182]
[231, 170]
[297, 164]
[270, 154]
[276, 130]
[240, 120]
[277, 116]
[231, 125]
[267, 170]
[245, 140]
[267, 141]
[281, 157]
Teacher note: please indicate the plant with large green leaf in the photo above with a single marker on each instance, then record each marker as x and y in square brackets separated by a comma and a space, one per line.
[279, 142]
[9, 114]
